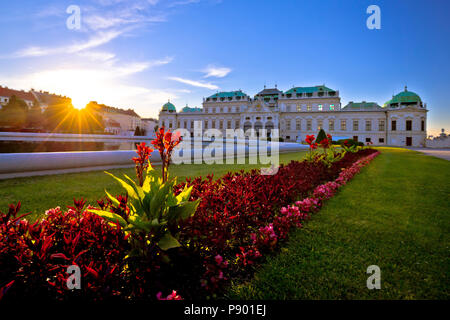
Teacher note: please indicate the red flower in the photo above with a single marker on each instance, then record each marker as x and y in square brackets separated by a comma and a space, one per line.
[325, 143]
[309, 139]
[165, 142]
[141, 160]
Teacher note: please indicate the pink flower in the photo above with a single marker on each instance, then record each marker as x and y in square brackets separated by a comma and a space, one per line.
[172, 296]
[218, 259]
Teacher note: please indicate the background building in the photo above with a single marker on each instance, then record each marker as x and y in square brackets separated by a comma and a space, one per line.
[302, 111]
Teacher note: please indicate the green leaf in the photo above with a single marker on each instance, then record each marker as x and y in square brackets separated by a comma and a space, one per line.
[158, 202]
[182, 211]
[113, 199]
[113, 217]
[130, 190]
[185, 194]
[143, 225]
[136, 187]
[168, 242]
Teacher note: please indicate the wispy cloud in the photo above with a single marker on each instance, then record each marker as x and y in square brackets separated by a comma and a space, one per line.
[97, 55]
[183, 3]
[93, 42]
[218, 72]
[195, 83]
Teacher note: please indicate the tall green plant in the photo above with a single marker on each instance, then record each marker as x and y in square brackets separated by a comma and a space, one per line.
[154, 209]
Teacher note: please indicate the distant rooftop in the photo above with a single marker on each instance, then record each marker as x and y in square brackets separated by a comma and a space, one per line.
[228, 94]
[7, 92]
[322, 88]
[361, 106]
[108, 109]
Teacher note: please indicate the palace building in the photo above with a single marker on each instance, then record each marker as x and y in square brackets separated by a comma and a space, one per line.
[302, 111]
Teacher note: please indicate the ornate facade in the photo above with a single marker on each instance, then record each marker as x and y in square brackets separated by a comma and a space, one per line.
[302, 111]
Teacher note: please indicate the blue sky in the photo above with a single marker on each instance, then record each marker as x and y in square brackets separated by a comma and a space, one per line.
[141, 53]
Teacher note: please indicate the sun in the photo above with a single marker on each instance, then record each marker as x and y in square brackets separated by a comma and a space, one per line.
[79, 102]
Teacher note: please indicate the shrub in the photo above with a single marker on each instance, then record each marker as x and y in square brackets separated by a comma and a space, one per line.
[239, 219]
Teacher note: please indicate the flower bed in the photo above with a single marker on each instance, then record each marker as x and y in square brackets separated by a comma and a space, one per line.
[240, 218]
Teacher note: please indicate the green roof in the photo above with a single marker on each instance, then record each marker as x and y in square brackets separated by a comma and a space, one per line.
[188, 109]
[404, 97]
[168, 107]
[362, 106]
[228, 94]
[309, 89]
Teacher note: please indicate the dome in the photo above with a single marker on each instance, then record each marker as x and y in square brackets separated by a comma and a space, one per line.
[169, 107]
[404, 98]
[188, 109]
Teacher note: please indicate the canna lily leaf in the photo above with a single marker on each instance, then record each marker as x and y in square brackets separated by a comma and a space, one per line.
[137, 188]
[185, 194]
[110, 216]
[168, 242]
[143, 225]
[113, 199]
[182, 211]
[130, 190]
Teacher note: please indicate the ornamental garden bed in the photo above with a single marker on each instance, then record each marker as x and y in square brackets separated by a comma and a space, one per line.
[162, 240]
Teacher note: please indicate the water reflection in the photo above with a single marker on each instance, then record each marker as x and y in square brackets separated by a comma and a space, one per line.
[63, 146]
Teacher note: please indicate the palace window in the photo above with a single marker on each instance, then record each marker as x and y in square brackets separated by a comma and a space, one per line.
[368, 139]
[308, 108]
[331, 107]
[423, 125]
[394, 125]
[299, 108]
[368, 125]
[308, 125]
[206, 124]
[185, 125]
[355, 125]
[237, 124]
[319, 124]
[381, 125]
[220, 124]
[343, 125]
[408, 125]
[298, 124]
[331, 125]
[288, 108]
[170, 125]
[380, 140]
[229, 124]
[320, 107]
[192, 124]
[288, 125]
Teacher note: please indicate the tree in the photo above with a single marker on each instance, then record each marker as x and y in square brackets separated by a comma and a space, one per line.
[34, 116]
[321, 135]
[14, 114]
[138, 131]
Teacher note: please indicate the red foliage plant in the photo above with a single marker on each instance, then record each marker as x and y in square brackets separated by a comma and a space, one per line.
[241, 217]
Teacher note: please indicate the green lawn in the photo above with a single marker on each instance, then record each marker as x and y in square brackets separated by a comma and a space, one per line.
[37, 194]
[394, 214]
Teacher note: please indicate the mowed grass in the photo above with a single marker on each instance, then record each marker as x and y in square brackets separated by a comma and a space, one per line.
[395, 214]
[38, 194]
